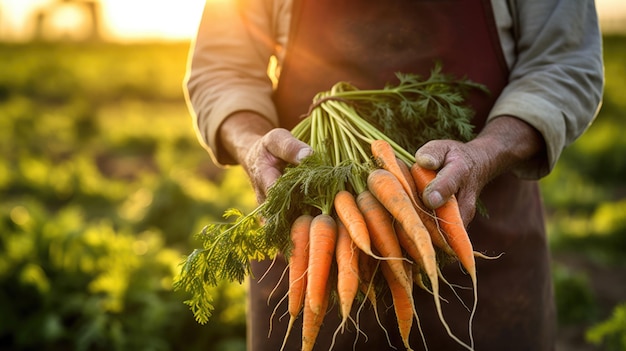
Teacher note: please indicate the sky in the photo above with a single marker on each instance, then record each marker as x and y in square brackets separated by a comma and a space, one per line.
[121, 19]
[128, 20]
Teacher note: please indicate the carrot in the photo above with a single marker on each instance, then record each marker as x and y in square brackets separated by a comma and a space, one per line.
[385, 157]
[380, 226]
[349, 213]
[367, 270]
[388, 190]
[312, 322]
[449, 218]
[323, 236]
[408, 243]
[429, 219]
[347, 256]
[418, 280]
[298, 262]
[406, 175]
[402, 302]
[427, 216]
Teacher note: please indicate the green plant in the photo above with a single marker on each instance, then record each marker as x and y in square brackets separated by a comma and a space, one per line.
[611, 333]
[67, 283]
[575, 300]
[93, 201]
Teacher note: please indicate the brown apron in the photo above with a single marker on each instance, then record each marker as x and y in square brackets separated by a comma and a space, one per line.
[365, 42]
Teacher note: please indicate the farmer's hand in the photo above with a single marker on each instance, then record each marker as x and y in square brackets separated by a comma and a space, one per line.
[465, 168]
[262, 150]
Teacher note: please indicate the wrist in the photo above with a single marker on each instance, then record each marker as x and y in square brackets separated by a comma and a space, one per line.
[239, 131]
[507, 143]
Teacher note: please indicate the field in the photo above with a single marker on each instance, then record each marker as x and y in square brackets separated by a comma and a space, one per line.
[103, 184]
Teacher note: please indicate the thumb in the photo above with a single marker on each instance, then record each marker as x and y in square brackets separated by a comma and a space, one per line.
[433, 156]
[282, 144]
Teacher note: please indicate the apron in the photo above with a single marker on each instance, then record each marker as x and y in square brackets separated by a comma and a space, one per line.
[366, 42]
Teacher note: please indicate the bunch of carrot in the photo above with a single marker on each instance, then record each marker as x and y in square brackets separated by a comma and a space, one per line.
[387, 224]
[350, 211]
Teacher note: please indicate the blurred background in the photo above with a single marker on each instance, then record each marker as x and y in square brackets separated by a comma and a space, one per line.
[103, 184]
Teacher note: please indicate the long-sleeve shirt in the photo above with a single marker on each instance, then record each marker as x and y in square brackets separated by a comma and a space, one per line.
[553, 49]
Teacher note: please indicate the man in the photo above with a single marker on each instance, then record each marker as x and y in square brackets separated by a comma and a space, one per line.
[540, 59]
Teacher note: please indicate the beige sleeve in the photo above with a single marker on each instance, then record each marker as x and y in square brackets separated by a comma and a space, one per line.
[228, 68]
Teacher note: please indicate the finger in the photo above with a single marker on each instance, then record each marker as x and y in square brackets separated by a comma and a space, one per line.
[432, 154]
[437, 155]
[263, 171]
[266, 180]
[439, 190]
[262, 168]
[282, 144]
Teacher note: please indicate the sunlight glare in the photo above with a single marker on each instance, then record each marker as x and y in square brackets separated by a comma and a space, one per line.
[153, 19]
[68, 19]
[136, 20]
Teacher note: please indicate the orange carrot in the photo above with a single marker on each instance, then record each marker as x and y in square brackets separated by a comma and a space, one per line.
[402, 302]
[428, 217]
[408, 244]
[323, 236]
[385, 157]
[367, 270]
[380, 226]
[312, 322]
[349, 213]
[406, 175]
[449, 219]
[347, 256]
[388, 190]
[298, 262]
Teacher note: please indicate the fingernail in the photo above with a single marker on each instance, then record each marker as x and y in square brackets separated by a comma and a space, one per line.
[426, 161]
[434, 199]
[303, 153]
